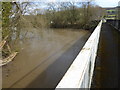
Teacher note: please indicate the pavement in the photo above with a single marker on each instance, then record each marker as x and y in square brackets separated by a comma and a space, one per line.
[107, 73]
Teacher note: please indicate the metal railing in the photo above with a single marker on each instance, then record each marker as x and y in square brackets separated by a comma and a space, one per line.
[80, 73]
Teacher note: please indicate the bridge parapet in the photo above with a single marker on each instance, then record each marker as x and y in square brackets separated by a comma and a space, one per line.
[80, 73]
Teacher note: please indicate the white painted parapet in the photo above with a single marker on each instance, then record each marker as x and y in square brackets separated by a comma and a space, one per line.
[79, 75]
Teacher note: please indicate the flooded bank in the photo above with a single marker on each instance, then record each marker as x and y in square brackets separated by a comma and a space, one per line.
[43, 59]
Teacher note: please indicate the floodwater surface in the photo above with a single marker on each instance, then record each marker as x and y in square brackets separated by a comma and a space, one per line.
[43, 58]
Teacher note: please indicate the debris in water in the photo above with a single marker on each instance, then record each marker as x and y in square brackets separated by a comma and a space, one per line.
[8, 59]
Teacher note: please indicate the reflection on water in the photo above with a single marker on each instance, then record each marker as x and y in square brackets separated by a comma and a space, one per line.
[41, 48]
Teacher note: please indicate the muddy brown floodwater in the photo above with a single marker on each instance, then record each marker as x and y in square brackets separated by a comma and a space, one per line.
[44, 58]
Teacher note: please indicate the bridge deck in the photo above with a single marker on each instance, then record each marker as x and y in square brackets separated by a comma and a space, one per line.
[107, 68]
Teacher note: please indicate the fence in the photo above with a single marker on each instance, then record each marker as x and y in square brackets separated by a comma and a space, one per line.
[80, 73]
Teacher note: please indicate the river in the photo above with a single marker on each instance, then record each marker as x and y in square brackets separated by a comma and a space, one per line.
[44, 57]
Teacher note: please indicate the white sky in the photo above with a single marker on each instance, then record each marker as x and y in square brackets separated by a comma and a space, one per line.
[102, 3]
[107, 3]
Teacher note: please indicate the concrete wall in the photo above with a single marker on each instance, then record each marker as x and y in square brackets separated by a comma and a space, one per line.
[115, 23]
[79, 75]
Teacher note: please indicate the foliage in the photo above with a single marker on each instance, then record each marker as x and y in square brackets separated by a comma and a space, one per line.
[72, 14]
[6, 12]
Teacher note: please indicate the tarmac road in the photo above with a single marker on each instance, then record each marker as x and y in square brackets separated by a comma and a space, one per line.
[107, 73]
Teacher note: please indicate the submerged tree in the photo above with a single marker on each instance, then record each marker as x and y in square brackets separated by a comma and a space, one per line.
[6, 13]
[72, 14]
[11, 13]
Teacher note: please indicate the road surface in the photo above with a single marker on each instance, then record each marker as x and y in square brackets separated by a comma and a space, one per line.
[107, 73]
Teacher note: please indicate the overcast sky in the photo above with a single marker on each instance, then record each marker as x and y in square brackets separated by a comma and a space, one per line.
[102, 3]
[107, 3]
